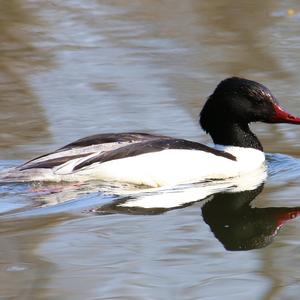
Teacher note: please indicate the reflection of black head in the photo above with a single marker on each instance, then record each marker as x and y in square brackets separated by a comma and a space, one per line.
[238, 226]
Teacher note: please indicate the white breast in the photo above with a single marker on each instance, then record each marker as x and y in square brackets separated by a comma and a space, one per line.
[172, 167]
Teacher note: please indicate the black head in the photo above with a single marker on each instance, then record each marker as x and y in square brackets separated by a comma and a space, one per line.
[233, 105]
[241, 101]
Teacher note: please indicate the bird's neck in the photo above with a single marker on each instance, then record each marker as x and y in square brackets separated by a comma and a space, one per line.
[234, 134]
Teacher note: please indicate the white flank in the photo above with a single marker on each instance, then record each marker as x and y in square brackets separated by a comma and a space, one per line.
[163, 168]
[172, 167]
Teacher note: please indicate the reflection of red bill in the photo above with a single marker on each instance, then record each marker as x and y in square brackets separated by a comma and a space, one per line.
[287, 216]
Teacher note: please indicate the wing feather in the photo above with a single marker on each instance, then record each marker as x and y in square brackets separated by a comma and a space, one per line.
[87, 147]
[150, 146]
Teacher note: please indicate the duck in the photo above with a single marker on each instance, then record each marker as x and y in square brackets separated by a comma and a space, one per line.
[157, 160]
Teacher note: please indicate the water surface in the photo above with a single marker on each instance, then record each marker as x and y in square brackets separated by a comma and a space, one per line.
[70, 69]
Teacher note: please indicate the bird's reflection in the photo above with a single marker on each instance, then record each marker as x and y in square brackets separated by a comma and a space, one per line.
[226, 206]
[229, 214]
[238, 226]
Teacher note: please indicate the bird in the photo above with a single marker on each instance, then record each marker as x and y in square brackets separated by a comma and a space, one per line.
[157, 160]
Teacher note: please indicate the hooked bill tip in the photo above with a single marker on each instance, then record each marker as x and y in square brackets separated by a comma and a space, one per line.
[282, 116]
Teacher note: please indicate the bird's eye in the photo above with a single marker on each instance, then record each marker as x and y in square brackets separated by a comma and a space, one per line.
[256, 101]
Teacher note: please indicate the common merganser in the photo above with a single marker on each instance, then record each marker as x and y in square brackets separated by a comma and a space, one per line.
[155, 160]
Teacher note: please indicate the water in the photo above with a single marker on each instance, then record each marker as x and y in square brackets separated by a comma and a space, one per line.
[71, 69]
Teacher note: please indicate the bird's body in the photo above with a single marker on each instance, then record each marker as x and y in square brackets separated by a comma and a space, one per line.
[155, 160]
